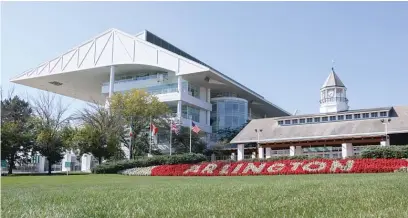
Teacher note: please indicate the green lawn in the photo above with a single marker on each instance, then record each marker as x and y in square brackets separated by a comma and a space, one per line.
[341, 195]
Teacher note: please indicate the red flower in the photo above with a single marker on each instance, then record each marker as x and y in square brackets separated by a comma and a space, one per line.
[283, 167]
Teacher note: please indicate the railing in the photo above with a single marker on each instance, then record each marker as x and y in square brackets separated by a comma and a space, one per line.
[163, 91]
[138, 78]
[334, 99]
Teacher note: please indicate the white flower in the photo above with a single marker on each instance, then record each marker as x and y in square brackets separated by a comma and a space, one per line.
[140, 171]
[321, 166]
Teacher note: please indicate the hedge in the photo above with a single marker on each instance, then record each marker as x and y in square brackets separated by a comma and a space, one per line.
[115, 167]
[385, 152]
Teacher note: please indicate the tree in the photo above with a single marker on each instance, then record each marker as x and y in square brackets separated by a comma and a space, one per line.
[181, 142]
[100, 132]
[52, 127]
[16, 130]
[226, 135]
[138, 108]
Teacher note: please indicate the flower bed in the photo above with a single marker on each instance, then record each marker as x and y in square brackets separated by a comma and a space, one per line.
[283, 167]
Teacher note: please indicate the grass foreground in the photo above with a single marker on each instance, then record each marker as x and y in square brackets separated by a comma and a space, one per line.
[333, 195]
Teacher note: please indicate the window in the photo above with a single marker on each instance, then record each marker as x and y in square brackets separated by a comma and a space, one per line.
[366, 115]
[317, 119]
[332, 118]
[324, 119]
[294, 121]
[280, 122]
[287, 121]
[193, 90]
[356, 116]
[340, 117]
[383, 114]
[374, 114]
[302, 120]
[309, 120]
[188, 111]
[349, 117]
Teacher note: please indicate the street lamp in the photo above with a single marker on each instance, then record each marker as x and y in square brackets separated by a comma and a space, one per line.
[386, 122]
[258, 131]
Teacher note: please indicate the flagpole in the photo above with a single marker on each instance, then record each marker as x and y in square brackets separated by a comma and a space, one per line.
[150, 138]
[191, 121]
[171, 133]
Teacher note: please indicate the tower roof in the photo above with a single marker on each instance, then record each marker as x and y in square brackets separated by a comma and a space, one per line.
[333, 80]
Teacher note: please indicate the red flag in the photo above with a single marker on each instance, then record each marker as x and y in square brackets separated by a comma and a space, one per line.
[154, 129]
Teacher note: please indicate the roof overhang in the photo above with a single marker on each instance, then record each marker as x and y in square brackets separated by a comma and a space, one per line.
[82, 84]
[217, 81]
[329, 137]
[80, 72]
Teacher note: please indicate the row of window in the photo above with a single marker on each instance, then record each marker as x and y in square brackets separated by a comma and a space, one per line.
[162, 43]
[145, 76]
[333, 118]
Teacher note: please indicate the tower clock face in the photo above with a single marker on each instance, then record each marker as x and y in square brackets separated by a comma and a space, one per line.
[330, 93]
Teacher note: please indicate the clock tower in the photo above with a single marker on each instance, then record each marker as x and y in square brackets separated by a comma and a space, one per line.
[333, 95]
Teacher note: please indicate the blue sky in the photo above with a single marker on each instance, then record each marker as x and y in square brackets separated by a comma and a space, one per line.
[282, 50]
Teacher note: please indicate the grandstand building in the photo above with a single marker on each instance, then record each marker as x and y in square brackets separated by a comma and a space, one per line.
[115, 61]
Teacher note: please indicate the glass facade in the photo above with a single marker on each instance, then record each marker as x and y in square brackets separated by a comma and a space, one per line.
[228, 113]
[139, 76]
[162, 89]
[187, 111]
[156, 83]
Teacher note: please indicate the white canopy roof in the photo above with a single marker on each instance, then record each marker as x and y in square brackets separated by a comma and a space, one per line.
[80, 72]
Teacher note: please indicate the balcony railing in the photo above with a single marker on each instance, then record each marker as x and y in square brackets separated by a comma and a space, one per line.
[137, 78]
[162, 91]
[334, 99]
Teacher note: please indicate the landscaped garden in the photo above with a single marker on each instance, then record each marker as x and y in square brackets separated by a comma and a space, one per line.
[372, 160]
[348, 189]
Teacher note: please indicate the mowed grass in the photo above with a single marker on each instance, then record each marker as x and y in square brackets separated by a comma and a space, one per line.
[341, 195]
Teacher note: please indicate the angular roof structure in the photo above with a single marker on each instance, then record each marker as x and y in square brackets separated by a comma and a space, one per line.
[274, 133]
[80, 72]
[333, 80]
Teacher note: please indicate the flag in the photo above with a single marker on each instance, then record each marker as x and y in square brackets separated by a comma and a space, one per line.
[175, 128]
[154, 129]
[195, 128]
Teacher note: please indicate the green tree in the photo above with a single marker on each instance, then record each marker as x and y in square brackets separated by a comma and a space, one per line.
[138, 108]
[51, 127]
[16, 130]
[100, 133]
[226, 135]
[181, 141]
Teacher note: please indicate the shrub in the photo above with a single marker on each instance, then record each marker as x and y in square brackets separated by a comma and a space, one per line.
[385, 152]
[115, 167]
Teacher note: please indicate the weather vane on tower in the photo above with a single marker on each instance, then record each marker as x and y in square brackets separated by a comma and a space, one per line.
[333, 65]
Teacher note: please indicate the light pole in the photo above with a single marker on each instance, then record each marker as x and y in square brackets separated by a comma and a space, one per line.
[258, 131]
[386, 122]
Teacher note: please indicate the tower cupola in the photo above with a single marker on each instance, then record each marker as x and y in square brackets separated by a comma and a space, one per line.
[333, 96]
